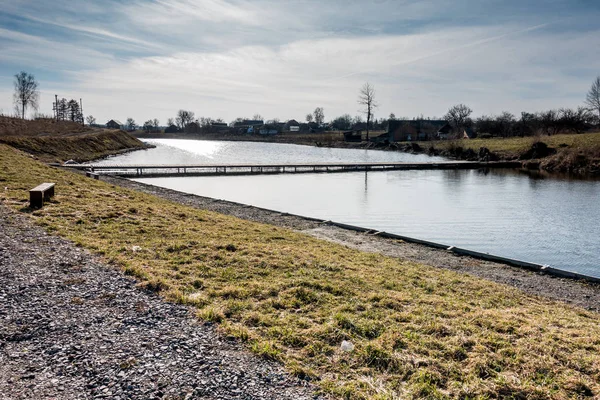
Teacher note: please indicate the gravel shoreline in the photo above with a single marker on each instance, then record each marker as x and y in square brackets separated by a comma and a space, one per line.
[578, 293]
[72, 327]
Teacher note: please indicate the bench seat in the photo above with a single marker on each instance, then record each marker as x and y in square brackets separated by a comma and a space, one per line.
[41, 193]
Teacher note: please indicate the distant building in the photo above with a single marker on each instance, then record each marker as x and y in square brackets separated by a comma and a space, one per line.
[114, 124]
[292, 126]
[445, 132]
[192, 127]
[248, 125]
[172, 129]
[417, 130]
[218, 127]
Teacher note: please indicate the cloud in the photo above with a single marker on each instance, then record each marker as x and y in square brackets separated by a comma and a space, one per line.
[229, 58]
[413, 74]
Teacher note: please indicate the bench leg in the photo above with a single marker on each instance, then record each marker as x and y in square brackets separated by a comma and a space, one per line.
[36, 200]
[48, 194]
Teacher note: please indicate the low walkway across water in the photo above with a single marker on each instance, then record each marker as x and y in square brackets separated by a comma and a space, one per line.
[256, 169]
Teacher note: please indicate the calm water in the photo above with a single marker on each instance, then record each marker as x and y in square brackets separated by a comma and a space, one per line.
[172, 151]
[547, 221]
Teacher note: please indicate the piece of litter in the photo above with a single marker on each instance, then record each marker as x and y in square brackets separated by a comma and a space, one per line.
[347, 346]
[136, 248]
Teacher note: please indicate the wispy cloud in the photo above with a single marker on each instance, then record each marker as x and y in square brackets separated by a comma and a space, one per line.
[227, 58]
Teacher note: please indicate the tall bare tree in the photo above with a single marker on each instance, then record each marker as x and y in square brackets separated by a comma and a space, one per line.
[366, 98]
[309, 118]
[458, 117]
[593, 97]
[184, 118]
[26, 92]
[90, 120]
[131, 125]
[319, 115]
[155, 124]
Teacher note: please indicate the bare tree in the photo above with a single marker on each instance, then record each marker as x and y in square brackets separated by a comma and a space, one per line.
[257, 117]
[184, 118]
[130, 124]
[90, 120]
[366, 98]
[593, 97]
[170, 122]
[392, 117]
[458, 116]
[309, 118]
[148, 126]
[26, 92]
[155, 124]
[319, 115]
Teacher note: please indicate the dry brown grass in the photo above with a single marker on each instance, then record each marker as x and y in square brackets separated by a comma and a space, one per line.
[513, 147]
[40, 127]
[82, 147]
[419, 332]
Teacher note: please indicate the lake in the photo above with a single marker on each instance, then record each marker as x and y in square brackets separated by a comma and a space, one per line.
[504, 212]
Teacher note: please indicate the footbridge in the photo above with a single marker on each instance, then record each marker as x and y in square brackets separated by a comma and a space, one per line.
[257, 169]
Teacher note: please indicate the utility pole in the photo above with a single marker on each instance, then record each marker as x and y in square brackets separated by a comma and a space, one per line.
[81, 110]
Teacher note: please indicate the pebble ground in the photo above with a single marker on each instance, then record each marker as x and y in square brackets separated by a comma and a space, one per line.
[74, 328]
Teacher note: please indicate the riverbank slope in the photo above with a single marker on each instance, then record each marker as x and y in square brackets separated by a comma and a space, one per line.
[59, 141]
[417, 331]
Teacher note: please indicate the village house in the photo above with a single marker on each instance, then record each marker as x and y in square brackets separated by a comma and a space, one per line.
[218, 127]
[292, 126]
[192, 127]
[114, 124]
[172, 129]
[416, 130]
[248, 125]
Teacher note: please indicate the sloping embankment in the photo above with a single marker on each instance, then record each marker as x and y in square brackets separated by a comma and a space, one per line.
[81, 148]
[417, 331]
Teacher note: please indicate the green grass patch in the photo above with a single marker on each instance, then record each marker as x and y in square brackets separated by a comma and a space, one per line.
[418, 331]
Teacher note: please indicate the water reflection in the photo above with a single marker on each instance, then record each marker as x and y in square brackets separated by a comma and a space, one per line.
[171, 151]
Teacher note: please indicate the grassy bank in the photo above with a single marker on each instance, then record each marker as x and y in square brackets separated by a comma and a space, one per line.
[419, 332]
[58, 141]
[514, 147]
[81, 148]
[574, 153]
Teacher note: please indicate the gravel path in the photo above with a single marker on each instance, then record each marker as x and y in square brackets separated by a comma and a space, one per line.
[578, 293]
[73, 328]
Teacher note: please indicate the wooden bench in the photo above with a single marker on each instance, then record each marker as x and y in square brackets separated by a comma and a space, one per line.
[39, 194]
[91, 174]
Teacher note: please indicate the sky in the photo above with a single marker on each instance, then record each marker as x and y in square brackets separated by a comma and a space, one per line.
[147, 59]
